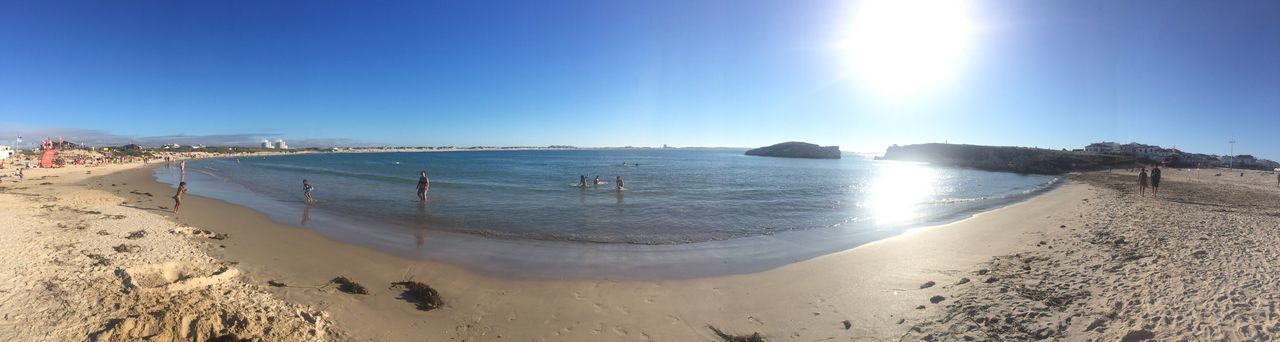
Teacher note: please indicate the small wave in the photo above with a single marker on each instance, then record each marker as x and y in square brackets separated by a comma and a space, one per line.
[369, 176]
[957, 200]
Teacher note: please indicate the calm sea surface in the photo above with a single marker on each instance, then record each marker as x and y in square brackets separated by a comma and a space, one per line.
[672, 197]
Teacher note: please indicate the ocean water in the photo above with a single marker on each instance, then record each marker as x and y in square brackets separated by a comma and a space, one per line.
[674, 199]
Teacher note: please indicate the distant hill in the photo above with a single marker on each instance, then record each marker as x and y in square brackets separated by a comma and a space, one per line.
[795, 149]
[1006, 158]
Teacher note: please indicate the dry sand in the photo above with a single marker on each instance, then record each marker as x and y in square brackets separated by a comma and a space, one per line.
[1196, 263]
[1193, 264]
[77, 264]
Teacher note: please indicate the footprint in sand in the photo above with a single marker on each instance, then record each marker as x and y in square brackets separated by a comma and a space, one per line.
[174, 276]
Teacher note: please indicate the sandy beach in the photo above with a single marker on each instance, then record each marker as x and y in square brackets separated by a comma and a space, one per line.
[1088, 260]
[642, 171]
[81, 263]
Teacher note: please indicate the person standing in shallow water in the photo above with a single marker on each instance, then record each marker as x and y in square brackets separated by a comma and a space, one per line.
[1155, 180]
[582, 180]
[306, 190]
[424, 184]
[619, 182]
[1142, 182]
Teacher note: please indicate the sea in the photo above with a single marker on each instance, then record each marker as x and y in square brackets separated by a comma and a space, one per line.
[681, 213]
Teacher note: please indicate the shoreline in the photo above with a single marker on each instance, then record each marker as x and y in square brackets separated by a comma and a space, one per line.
[1046, 267]
[539, 259]
[678, 309]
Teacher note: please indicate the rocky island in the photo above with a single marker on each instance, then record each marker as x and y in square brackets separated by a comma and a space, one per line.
[795, 149]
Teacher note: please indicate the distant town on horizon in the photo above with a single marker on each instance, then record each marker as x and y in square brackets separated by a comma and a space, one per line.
[1150, 153]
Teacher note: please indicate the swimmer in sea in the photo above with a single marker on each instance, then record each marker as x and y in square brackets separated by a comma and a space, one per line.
[619, 183]
[424, 184]
[597, 181]
[582, 180]
[306, 190]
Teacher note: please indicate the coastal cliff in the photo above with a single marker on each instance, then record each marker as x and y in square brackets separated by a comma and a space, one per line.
[1006, 158]
[794, 149]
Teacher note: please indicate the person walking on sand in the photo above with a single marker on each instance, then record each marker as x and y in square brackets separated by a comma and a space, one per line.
[1155, 180]
[177, 198]
[306, 190]
[424, 183]
[1142, 182]
[619, 182]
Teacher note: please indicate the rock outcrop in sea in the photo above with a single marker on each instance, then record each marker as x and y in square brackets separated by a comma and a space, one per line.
[795, 149]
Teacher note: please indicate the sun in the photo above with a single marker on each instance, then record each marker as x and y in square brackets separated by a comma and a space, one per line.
[903, 47]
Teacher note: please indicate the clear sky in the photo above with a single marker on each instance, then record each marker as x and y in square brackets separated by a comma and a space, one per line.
[862, 75]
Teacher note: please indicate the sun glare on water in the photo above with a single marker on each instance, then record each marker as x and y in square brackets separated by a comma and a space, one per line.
[903, 47]
[897, 190]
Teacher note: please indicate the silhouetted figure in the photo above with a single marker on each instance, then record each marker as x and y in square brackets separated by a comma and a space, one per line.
[1155, 180]
[177, 198]
[1142, 182]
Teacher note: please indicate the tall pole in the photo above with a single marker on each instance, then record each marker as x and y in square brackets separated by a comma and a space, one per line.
[1232, 160]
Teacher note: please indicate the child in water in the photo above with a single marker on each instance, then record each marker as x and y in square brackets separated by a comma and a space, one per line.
[306, 190]
[597, 181]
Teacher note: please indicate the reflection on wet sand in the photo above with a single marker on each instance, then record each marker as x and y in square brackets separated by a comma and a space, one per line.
[421, 235]
[306, 215]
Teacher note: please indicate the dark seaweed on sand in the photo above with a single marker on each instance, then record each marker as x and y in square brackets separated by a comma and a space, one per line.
[754, 337]
[426, 297]
[123, 248]
[348, 286]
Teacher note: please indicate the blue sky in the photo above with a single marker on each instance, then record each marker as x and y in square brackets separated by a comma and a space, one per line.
[612, 73]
